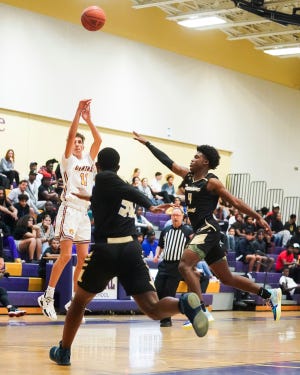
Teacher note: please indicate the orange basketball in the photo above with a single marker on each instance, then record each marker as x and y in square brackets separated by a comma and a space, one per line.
[93, 18]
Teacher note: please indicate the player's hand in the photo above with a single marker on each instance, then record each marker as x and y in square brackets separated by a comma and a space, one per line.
[161, 208]
[86, 113]
[139, 138]
[82, 196]
[83, 103]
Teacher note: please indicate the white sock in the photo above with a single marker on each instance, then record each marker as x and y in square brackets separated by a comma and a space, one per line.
[50, 292]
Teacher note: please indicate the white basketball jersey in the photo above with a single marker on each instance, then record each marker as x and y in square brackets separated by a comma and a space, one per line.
[78, 176]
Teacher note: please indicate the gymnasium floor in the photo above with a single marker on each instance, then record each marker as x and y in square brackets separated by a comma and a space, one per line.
[237, 343]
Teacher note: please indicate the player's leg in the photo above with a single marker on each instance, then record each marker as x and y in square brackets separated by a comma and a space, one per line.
[82, 251]
[61, 354]
[273, 296]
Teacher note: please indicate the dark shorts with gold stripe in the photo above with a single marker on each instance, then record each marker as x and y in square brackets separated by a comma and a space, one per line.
[206, 243]
[123, 260]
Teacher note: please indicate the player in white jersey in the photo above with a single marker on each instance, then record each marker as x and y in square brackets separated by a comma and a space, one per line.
[72, 221]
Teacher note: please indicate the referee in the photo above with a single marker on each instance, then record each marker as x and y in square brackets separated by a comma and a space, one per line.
[172, 242]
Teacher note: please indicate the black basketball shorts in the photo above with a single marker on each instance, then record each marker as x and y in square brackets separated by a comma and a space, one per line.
[123, 260]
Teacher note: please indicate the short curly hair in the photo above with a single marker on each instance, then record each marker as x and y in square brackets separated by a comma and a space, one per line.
[211, 155]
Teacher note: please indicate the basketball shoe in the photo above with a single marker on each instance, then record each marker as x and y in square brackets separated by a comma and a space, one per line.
[60, 355]
[275, 302]
[13, 311]
[189, 305]
[188, 324]
[47, 305]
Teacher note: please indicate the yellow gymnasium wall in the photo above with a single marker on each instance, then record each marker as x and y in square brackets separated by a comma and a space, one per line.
[37, 138]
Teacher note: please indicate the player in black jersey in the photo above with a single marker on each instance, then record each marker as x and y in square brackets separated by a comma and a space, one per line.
[202, 192]
[118, 253]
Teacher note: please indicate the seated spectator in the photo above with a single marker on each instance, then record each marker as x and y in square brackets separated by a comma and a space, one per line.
[4, 181]
[249, 225]
[145, 189]
[8, 213]
[169, 186]
[141, 223]
[47, 192]
[149, 245]
[288, 284]
[27, 238]
[296, 237]
[286, 258]
[50, 254]
[221, 217]
[46, 232]
[33, 191]
[136, 182]
[290, 225]
[238, 227]
[7, 167]
[231, 238]
[50, 210]
[48, 172]
[23, 207]
[177, 204]
[246, 254]
[280, 235]
[269, 216]
[13, 196]
[181, 192]
[203, 271]
[136, 172]
[260, 246]
[156, 186]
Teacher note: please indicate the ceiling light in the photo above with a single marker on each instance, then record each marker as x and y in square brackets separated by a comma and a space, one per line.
[283, 51]
[202, 22]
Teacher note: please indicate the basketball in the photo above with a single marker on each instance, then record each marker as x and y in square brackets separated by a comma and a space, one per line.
[93, 18]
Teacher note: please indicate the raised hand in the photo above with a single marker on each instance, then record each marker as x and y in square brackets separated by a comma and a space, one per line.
[139, 138]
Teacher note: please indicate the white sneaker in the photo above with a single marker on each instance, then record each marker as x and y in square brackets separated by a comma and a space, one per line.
[187, 325]
[275, 302]
[209, 316]
[67, 306]
[47, 305]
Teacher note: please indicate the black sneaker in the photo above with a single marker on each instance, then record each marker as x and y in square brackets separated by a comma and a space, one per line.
[60, 355]
[190, 306]
[167, 322]
[15, 312]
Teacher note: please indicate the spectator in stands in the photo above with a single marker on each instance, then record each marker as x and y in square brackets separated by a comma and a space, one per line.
[136, 173]
[172, 242]
[220, 215]
[50, 210]
[12, 310]
[296, 237]
[149, 245]
[244, 251]
[48, 172]
[8, 213]
[260, 245]
[280, 235]
[136, 182]
[23, 207]
[269, 216]
[238, 227]
[286, 258]
[145, 189]
[33, 168]
[47, 192]
[156, 188]
[181, 192]
[205, 275]
[142, 224]
[288, 284]
[46, 232]
[50, 254]
[169, 186]
[13, 195]
[290, 225]
[231, 238]
[4, 181]
[7, 167]
[177, 203]
[27, 238]
[249, 225]
[33, 190]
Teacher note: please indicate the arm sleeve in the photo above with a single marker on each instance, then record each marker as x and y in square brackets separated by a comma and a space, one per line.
[161, 156]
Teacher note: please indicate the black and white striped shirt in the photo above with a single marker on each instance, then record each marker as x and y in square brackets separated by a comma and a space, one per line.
[173, 241]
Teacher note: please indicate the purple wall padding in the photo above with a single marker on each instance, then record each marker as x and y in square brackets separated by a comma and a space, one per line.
[15, 283]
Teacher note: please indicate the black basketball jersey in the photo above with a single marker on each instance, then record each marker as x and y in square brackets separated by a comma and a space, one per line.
[112, 206]
[200, 202]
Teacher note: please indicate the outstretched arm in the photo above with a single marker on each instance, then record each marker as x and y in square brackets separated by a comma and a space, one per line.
[161, 156]
[218, 188]
[74, 126]
[86, 115]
